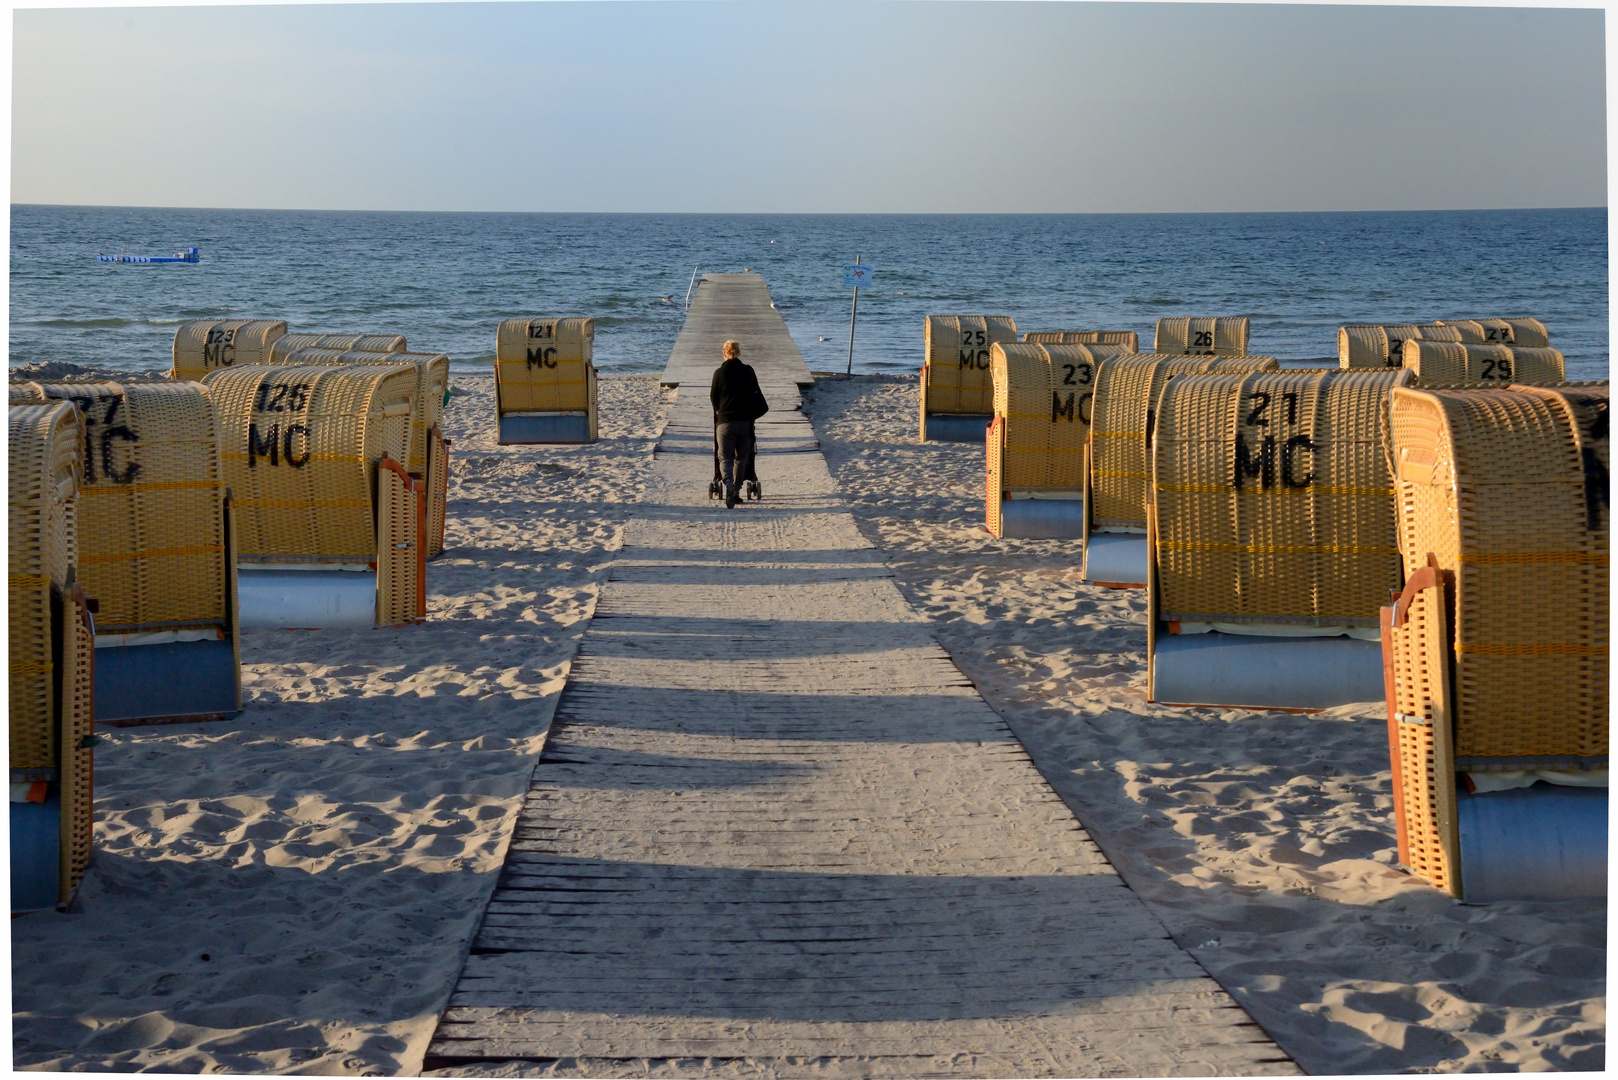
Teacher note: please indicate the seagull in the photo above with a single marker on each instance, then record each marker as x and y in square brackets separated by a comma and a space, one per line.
[823, 339]
[667, 299]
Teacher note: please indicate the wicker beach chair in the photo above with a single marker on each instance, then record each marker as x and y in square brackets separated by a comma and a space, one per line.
[205, 345]
[1221, 336]
[545, 381]
[1035, 444]
[1118, 461]
[1127, 338]
[1527, 333]
[1436, 363]
[283, 348]
[52, 659]
[1272, 539]
[427, 459]
[155, 551]
[1497, 646]
[315, 455]
[956, 396]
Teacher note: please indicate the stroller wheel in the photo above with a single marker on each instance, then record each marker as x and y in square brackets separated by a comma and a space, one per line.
[754, 492]
[713, 490]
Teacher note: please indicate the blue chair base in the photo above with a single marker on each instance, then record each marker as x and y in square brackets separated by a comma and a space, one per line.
[1536, 843]
[544, 428]
[1249, 672]
[305, 599]
[172, 681]
[36, 839]
[1042, 519]
[1115, 559]
[956, 427]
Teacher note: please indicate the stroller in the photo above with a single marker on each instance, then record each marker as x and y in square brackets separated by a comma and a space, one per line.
[751, 491]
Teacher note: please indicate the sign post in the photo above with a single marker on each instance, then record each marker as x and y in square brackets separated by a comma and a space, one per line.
[855, 276]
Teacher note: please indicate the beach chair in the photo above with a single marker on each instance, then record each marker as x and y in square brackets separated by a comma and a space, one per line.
[956, 395]
[1221, 336]
[1127, 338]
[51, 641]
[545, 381]
[155, 552]
[1440, 363]
[1035, 446]
[205, 345]
[283, 347]
[1496, 647]
[1272, 542]
[428, 457]
[1117, 469]
[1527, 333]
[329, 521]
[1381, 345]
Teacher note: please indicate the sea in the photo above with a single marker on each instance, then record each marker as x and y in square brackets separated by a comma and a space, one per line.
[445, 280]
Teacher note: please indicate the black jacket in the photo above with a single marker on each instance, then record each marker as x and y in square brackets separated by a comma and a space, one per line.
[735, 393]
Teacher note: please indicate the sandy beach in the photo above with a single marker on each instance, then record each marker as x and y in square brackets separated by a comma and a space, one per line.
[294, 890]
[1264, 841]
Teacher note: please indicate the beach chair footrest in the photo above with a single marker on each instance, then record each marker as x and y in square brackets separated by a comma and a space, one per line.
[956, 427]
[167, 681]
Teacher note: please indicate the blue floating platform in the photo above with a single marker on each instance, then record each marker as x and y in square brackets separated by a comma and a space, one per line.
[189, 255]
[176, 680]
[560, 427]
[956, 427]
[1252, 672]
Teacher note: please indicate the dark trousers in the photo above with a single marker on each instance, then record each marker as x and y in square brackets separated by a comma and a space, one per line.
[735, 450]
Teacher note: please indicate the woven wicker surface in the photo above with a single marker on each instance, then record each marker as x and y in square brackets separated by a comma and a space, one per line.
[432, 378]
[1127, 338]
[1274, 497]
[400, 521]
[1222, 336]
[1507, 489]
[1502, 365]
[437, 478]
[44, 457]
[282, 350]
[23, 393]
[210, 344]
[1042, 395]
[300, 447]
[77, 726]
[994, 453]
[1126, 392]
[151, 528]
[544, 365]
[955, 371]
[1527, 333]
[1382, 345]
[1420, 740]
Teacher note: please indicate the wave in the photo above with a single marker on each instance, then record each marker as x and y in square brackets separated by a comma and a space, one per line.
[83, 324]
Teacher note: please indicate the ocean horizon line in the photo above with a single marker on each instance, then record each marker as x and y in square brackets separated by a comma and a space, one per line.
[979, 214]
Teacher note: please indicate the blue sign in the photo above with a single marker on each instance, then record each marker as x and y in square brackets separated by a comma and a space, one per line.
[856, 276]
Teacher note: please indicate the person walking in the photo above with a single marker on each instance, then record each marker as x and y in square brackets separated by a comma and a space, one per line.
[737, 402]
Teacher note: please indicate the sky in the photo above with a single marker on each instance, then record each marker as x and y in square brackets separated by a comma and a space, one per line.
[877, 107]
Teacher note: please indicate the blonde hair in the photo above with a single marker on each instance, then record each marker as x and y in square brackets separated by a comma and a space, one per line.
[730, 349]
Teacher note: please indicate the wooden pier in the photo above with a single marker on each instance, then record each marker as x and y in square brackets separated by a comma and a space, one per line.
[776, 832]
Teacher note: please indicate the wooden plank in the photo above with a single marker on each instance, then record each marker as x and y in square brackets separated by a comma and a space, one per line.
[775, 831]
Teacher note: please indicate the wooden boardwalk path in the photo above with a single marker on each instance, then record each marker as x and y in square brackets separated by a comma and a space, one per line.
[775, 832]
